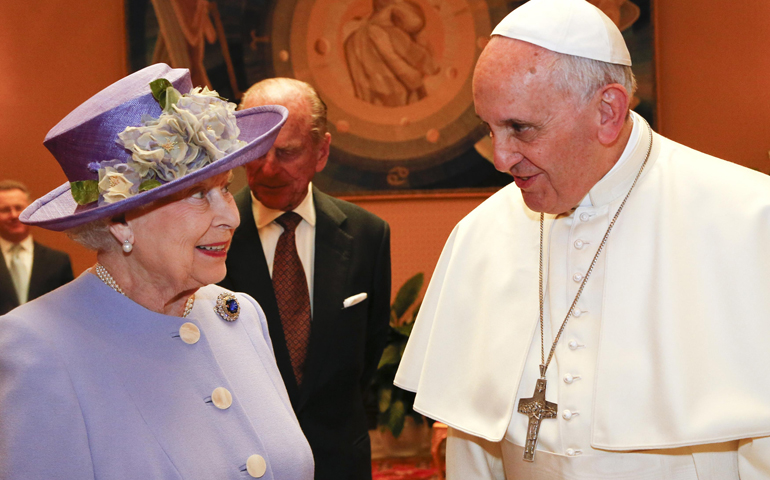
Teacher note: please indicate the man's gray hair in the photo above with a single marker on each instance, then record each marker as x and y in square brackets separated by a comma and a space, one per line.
[582, 77]
[272, 89]
[6, 185]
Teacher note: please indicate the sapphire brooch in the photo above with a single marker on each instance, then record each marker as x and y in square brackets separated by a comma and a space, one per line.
[227, 307]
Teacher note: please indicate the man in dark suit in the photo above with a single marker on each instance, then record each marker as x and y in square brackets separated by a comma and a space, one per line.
[320, 269]
[28, 269]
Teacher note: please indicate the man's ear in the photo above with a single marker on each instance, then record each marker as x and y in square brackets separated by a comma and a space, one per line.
[613, 110]
[323, 152]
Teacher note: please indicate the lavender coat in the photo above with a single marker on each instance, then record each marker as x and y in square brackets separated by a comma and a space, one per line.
[92, 385]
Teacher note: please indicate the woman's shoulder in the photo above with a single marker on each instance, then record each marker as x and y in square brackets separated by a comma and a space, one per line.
[44, 314]
[212, 293]
[215, 298]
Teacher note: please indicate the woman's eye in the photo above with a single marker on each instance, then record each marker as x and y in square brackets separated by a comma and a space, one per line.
[199, 195]
[226, 189]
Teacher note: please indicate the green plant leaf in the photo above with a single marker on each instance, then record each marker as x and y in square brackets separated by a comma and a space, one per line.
[396, 418]
[158, 88]
[390, 356]
[85, 191]
[407, 295]
[149, 185]
[384, 400]
[405, 329]
[393, 319]
[415, 312]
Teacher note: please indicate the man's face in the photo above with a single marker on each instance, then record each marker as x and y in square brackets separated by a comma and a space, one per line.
[12, 203]
[279, 179]
[541, 136]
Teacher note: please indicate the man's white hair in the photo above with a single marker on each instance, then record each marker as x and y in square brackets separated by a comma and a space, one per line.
[582, 77]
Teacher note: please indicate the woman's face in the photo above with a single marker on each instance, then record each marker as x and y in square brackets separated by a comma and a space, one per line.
[181, 243]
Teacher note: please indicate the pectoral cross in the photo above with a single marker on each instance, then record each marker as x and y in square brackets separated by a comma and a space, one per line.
[536, 408]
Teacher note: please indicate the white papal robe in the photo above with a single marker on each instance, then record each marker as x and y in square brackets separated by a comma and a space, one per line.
[667, 365]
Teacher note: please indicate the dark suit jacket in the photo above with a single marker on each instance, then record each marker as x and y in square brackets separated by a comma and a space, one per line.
[352, 255]
[50, 270]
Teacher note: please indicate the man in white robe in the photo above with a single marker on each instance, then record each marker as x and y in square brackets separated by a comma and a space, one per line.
[662, 370]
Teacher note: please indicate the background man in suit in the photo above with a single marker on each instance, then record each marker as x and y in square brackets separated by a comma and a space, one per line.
[30, 269]
[304, 255]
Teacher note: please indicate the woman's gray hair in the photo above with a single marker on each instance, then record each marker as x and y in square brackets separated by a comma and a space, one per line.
[582, 77]
[95, 235]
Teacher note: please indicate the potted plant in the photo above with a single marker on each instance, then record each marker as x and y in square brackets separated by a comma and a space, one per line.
[395, 405]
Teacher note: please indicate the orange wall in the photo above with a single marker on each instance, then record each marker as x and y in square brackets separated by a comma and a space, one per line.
[714, 77]
[713, 65]
[54, 55]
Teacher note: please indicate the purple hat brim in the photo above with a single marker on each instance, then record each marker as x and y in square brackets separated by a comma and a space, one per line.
[58, 211]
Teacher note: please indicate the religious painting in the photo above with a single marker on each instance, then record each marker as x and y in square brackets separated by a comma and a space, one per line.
[395, 75]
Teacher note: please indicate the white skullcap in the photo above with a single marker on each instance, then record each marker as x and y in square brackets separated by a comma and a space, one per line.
[574, 27]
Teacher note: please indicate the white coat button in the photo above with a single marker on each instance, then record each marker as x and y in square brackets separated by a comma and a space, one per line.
[569, 378]
[584, 217]
[579, 244]
[256, 466]
[571, 452]
[573, 344]
[189, 333]
[221, 398]
[577, 277]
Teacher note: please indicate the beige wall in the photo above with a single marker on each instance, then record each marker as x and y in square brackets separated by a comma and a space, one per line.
[713, 65]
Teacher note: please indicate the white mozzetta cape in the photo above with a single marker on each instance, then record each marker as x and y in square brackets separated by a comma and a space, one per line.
[684, 351]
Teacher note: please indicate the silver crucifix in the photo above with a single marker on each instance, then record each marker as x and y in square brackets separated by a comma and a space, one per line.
[536, 408]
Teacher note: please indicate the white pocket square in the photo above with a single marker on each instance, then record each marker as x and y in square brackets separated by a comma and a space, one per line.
[355, 299]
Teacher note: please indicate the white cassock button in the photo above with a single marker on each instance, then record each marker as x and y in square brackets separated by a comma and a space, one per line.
[569, 414]
[573, 344]
[585, 217]
[221, 398]
[579, 244]
[577, 277]
[569, 378]
[577, 312]
[571, 452]
[189, 333]
[256, 466]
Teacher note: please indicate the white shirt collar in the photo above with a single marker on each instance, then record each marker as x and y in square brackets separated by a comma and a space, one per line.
[263, 215]
[26, 245]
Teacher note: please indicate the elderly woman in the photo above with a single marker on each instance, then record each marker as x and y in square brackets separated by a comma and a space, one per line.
[140, 368]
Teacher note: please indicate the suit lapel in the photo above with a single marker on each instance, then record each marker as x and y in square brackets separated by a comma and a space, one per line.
[8, 298]
[332, 262]
[247, 268]
[39, 265]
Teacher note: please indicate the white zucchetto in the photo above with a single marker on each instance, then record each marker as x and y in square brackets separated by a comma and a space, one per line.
[573, 27]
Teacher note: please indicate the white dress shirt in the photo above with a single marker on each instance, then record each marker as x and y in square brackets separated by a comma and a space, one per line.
[27, 249]
[270, 232]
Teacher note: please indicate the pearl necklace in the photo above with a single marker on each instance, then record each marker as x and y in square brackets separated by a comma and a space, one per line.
[105, 277]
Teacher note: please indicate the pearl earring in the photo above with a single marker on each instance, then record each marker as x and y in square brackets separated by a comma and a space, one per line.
[127, 246]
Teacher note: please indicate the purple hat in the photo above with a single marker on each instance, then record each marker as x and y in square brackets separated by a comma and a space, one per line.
[121, 150]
